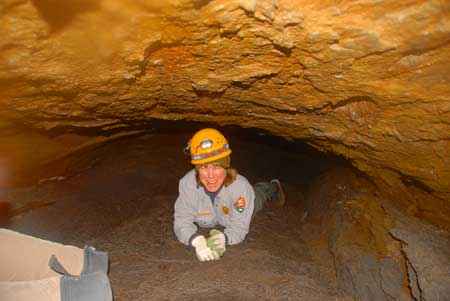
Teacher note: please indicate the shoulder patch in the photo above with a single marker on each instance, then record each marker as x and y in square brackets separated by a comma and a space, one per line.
[239, 205]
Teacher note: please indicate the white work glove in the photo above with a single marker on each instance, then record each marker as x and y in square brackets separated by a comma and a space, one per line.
[204, 253]
[216, 241]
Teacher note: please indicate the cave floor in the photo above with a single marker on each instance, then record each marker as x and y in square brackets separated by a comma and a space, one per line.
[119, 198]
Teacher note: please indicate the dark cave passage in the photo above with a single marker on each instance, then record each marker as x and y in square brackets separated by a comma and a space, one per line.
[119, 197]
[98, 100]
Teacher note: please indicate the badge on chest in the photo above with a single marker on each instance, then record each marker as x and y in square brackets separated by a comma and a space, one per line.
[239, 205]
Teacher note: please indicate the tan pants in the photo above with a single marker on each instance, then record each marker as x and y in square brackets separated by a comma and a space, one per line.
[24, 270]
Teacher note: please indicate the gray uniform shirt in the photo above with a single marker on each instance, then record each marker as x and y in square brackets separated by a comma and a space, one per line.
[232, 208]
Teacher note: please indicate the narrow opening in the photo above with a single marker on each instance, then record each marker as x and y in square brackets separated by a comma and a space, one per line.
[119, 197]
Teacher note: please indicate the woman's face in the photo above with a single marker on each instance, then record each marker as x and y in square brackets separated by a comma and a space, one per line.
[212, 176]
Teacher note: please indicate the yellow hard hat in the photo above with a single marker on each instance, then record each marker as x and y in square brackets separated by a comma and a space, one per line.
[208, 145]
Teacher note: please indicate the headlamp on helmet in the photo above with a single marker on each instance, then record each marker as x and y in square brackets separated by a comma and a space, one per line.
[208, 145]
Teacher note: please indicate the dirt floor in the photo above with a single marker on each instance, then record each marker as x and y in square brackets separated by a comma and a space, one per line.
[119, 198]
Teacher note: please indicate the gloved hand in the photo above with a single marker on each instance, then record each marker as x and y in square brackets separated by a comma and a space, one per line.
[204, 253]
[216, 241]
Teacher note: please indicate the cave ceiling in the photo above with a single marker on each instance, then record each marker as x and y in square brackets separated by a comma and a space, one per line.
[366, 80]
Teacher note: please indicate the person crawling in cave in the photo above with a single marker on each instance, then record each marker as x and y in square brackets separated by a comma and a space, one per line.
[214, 194]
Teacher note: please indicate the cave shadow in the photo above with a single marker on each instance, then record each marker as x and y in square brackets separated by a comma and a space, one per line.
[119, 197]
[59, 14]
[257, 154]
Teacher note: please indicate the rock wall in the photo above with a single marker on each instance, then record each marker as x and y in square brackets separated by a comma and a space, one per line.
[426, 252]
[379, 253]
[366, 80]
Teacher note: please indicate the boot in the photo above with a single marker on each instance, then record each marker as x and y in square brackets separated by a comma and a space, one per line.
[279, 193]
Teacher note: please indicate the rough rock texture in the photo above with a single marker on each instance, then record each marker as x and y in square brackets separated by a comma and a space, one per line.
[426, 251]
[367, 80]
[379, 252]
[119, 199]
[368, 261]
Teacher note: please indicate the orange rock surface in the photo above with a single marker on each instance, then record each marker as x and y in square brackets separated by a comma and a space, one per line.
[366, 80]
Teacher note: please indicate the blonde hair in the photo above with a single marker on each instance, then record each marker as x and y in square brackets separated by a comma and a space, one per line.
[231, 175]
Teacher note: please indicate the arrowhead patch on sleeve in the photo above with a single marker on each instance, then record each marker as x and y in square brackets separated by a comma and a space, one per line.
[240, 204]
